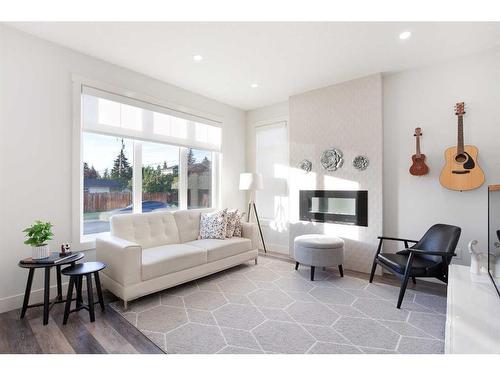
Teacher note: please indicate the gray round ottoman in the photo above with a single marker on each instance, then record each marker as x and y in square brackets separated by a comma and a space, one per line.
[319, 250]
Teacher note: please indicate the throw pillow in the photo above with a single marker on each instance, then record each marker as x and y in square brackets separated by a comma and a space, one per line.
[238, 227]
[232, 217]
[213, 225]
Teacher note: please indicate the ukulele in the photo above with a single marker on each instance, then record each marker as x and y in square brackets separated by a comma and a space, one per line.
[418, 168]
[461, 171]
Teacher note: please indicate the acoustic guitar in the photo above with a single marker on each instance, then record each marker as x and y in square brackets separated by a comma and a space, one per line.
[418, 168]
[461, 171]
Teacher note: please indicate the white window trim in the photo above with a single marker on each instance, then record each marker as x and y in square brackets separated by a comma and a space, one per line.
[87, 242]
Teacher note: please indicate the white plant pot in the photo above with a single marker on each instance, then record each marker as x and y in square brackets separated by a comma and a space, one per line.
[40, 252]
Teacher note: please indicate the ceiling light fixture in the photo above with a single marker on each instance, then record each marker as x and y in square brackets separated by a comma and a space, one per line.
[254, 85]
[404, 35]
[197, 58]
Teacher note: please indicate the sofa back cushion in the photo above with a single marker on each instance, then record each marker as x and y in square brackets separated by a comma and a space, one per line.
[148, 229]
[188, 222]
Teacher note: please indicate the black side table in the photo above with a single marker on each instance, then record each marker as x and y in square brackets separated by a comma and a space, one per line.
[47, 304]
[76, 273]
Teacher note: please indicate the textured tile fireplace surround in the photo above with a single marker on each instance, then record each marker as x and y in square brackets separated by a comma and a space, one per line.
[346, 116]
[271, 308]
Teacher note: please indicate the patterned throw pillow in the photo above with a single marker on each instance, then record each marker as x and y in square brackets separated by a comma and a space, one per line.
[232, 217]
[238, 227]
[213, 225]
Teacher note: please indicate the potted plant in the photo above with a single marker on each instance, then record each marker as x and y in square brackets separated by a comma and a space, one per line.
[38, 235]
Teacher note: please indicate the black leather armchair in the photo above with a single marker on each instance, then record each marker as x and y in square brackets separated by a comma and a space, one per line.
[429, 257]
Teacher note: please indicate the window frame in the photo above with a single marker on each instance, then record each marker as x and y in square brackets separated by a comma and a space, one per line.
[87, 242]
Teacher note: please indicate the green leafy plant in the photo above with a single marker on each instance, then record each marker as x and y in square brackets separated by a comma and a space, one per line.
[39, 233]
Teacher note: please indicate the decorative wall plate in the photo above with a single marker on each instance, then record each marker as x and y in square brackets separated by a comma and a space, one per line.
[305, 165]
[331, 159]
[360, 162]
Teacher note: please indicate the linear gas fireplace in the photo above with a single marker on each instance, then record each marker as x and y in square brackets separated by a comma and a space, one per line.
[335, 206]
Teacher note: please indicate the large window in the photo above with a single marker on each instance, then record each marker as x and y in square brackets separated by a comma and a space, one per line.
[141, 157]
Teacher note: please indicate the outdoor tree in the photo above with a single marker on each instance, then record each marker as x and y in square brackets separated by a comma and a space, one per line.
[190, 157]
[155, 181]
[121, 167]
[90, 172]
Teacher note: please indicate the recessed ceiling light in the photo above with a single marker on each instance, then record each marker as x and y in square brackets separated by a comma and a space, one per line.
[404, 35]
[254, 85]
[197, 58]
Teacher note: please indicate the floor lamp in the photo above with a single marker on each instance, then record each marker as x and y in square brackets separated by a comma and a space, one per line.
[252, 182]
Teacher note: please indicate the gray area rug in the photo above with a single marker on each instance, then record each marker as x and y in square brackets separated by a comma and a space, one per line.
[271, 308]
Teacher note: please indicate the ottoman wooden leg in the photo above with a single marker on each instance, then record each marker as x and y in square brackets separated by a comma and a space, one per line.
[312, 273]
[341, 270]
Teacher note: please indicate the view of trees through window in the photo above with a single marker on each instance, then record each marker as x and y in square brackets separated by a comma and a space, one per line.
[107, 180]
[199, 178]
[160, 177]
[108, 184]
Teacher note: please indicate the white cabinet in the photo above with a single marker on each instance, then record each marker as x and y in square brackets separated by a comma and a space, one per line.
[473, 313]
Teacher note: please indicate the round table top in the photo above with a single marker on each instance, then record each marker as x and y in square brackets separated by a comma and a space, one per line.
[77, 256]
[83, 268]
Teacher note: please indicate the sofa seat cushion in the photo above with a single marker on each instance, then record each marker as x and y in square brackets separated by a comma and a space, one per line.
[162, 260]
[220, 249]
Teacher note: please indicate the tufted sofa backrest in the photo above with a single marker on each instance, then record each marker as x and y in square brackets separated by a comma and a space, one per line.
[188, 222]
[147, 229]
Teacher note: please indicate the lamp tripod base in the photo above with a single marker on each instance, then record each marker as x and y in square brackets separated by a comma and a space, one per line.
[251, 205]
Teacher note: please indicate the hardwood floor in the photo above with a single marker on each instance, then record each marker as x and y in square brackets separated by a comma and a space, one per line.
[110, 333]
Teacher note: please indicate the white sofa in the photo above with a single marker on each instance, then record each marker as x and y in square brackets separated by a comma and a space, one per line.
[149, 252]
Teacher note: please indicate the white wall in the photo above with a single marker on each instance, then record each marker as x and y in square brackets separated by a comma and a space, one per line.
[425, 98]
[347, 116]
[276, 240]
[35, 142]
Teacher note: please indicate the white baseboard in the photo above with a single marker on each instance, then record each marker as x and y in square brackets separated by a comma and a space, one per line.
[16, 301]
[277, 248]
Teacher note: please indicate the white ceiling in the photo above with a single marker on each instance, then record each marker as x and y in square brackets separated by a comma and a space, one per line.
[283, 58]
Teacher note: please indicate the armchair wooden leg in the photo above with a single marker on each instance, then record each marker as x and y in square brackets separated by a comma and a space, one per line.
[404, 284]
[402, 291]
[312, 273]
[374, 267]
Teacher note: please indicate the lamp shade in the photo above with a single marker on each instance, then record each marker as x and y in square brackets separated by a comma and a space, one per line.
[250, 181]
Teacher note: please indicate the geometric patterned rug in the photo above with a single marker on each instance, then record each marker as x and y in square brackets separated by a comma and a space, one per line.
[271, 308]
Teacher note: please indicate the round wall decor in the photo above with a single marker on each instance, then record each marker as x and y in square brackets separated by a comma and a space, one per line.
[305, 165]
[360, 162]
[331, 159]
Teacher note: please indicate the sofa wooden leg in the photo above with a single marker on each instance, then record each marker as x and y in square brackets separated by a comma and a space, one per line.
[312, 273]
[296, 266]
[341, 270]
[256, 261]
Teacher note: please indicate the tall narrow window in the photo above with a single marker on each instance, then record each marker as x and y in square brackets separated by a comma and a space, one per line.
[107, 180]
[199, 178]
[272, 162]
[160, 177]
